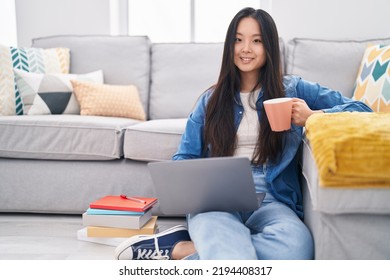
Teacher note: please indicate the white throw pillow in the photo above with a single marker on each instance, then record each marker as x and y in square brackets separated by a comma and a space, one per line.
[44, 94]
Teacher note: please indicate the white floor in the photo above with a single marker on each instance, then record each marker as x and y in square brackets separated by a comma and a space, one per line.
[53, 237]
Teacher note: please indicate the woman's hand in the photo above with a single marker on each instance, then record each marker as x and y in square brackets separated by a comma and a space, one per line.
[301, 112]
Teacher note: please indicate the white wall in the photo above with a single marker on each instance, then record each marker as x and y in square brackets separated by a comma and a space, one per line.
[332, 19]
[7, 23]
[37, 18]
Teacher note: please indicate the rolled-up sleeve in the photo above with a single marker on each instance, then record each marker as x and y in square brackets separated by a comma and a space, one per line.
[322, 98]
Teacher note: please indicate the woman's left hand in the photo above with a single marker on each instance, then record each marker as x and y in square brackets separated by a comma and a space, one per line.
[301, 112]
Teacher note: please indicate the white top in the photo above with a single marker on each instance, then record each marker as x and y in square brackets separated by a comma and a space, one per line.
[248, 131]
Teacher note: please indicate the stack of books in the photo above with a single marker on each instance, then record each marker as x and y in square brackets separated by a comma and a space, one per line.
[111, 219]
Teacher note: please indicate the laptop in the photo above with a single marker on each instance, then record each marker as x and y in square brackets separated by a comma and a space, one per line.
[207, 184]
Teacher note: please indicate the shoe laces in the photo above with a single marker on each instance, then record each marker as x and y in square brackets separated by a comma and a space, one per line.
[150, 254]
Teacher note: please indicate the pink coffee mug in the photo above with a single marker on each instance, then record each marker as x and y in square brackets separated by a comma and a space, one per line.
[279, 113]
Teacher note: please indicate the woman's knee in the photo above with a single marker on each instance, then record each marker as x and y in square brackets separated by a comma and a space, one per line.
[301, 242]
[290, 240]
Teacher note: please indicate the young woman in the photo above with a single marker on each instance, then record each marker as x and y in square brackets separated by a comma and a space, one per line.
[229, 120]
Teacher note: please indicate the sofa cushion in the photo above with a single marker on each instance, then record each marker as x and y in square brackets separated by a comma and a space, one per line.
[37, 60]
[373, 80]
[108, 100]
[153, 140]
[334, 64]
[125, 60]
[180, 73]
[62, 137]
[44, 94]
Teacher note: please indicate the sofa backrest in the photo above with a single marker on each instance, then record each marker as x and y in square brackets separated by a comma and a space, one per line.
[180, 73]
[169, 76]
[331, 63]
[124, 60]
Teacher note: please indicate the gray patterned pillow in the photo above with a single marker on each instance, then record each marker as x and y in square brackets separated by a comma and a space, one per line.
[37, 60]
[44, 94]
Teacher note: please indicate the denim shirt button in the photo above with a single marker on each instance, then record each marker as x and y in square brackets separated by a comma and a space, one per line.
[240, 112]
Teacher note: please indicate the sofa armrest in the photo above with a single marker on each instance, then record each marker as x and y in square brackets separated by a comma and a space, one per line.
[337, 200]
[346, 223]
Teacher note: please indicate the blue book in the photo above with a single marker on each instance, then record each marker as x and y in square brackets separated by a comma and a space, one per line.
[94, 211]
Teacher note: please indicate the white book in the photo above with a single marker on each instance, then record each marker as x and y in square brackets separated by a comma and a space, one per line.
[110, 241]
[117, 221]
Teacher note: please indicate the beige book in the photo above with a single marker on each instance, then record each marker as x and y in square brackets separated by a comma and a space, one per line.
[149, 228]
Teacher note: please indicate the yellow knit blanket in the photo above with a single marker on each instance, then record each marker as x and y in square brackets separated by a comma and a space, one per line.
[351, 149]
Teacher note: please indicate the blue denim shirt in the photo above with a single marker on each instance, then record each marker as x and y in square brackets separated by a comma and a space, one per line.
[283, 177]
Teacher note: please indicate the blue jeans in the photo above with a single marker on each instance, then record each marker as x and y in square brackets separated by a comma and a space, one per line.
[273, 231]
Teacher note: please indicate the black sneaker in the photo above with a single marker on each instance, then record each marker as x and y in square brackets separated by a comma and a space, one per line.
[152, 247]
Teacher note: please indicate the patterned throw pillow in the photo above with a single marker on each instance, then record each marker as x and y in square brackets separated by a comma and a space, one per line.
[108, 100]
[373, 80]
[55, 60]
[44, 94]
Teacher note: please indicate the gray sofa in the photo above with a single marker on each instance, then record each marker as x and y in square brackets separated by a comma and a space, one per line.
[39, 172]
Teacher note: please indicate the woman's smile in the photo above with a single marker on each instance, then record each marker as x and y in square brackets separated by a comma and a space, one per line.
[246, 60]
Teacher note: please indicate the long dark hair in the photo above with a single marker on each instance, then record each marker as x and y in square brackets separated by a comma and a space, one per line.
[220, 132]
